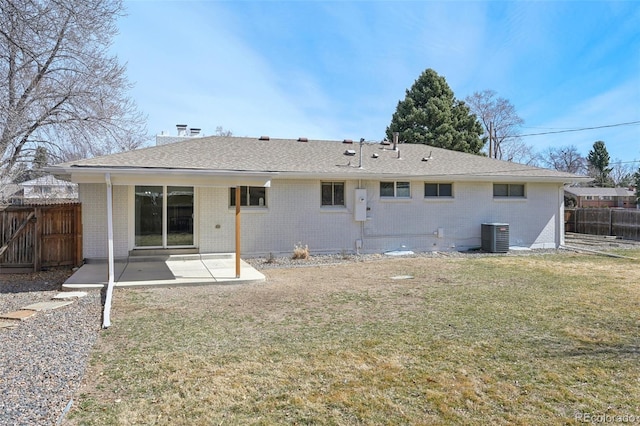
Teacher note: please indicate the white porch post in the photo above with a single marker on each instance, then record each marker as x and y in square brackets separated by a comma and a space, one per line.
[106, 316]
[238, 231]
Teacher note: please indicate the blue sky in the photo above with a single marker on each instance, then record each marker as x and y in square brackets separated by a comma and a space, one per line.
[336, 70]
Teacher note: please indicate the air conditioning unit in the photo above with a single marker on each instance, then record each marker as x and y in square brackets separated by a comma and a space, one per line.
[495, 237]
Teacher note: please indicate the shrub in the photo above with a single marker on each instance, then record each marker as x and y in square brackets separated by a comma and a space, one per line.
[300, 251]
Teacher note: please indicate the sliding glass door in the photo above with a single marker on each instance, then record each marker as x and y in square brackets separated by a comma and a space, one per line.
[160, 223]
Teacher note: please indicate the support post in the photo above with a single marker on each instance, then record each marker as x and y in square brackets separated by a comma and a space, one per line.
[238, 201]
[106, 316]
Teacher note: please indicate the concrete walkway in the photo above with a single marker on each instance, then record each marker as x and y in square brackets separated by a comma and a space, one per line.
[165, 271]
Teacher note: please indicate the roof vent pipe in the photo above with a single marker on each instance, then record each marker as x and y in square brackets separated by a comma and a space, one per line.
[194, 131]
[182, 129]
[395, 140]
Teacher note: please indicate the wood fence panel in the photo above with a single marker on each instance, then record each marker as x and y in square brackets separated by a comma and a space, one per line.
[19, 251]
[623, 223]
[626, 224]
[52, 238]
[593, 221]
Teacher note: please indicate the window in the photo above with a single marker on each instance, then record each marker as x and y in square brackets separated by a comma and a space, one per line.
[164, 216]
[252, 196]
[332, 194]
[395, 189]
[508, 190]
[438, 190]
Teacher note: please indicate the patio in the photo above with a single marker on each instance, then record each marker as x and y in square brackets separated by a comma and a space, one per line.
[165, 271]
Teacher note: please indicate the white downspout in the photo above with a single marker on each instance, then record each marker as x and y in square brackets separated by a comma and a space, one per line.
[106, 316]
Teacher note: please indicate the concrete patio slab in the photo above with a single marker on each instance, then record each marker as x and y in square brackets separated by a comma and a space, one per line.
[18, 315]
[47, 306]
[165, 271]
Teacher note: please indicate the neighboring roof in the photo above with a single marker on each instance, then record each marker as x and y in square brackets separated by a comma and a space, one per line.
[47, 180]
[605, 192]
[314, 158]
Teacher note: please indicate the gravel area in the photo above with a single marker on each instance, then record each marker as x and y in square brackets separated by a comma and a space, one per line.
[262, 263]
[43, 358]
[579, 241]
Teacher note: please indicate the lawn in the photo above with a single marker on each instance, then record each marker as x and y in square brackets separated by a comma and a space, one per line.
[539, 339]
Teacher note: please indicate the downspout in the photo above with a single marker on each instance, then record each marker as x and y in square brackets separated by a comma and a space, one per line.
[106, 316]
[361, 223]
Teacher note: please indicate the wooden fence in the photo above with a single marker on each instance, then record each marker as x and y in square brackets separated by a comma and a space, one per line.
[36, 237]
[624, 223]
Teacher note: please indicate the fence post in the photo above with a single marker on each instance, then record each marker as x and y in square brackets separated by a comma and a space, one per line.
[37, 238]
[78, 232]
[610, 222]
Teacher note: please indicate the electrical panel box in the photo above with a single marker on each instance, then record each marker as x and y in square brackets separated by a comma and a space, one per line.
[495, 237]
[360, 205]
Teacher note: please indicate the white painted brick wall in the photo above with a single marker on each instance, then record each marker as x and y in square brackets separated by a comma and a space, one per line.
[93, 197]
[293, 215]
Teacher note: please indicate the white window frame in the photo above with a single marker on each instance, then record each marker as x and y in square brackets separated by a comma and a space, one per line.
[438, 196]
[232, 194]
[333, 202]
[395, 190]
[509, 192]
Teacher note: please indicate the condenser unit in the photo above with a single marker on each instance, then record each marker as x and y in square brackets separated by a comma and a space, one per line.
[495, 237]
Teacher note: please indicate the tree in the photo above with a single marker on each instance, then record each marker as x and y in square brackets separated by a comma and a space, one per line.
[599, 169]
[500, 122]
[220, 131]
[59, 86]
[621, 174]
[564, 159]
[430, 114]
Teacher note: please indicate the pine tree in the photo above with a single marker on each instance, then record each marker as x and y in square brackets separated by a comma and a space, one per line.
[599, 169]
[430, 114]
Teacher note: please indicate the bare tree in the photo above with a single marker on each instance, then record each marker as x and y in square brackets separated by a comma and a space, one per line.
[621, 173]
[501, 124]
[564, 159]
[59, 86]
[220, 131]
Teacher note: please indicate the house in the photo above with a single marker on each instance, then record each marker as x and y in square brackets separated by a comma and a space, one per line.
[601, 197]
[184, 133]
[48, 189]
[334, 196]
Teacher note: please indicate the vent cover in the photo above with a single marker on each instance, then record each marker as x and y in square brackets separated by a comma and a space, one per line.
[263, 138]
[495, 237]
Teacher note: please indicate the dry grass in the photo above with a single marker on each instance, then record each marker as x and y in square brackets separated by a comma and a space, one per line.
[493, 340]
[300, 251]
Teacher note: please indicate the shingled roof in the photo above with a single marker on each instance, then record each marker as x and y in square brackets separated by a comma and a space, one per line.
[296, 158]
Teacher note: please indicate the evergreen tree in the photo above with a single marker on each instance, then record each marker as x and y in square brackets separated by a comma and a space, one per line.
[598, 159]
[430, 114]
